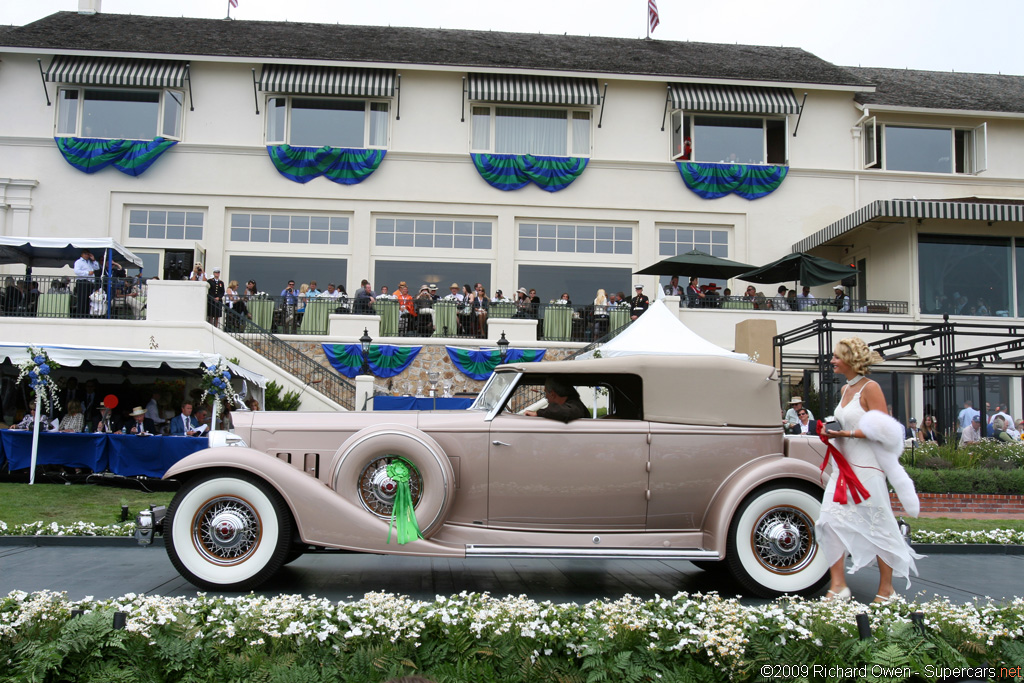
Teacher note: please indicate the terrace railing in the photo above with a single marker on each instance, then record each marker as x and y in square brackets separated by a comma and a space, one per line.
[69, 297]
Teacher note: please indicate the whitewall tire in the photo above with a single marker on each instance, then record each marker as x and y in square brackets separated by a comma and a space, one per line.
[228, 531]
[772, 549]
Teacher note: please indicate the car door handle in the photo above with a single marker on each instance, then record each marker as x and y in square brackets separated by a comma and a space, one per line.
[500, 443]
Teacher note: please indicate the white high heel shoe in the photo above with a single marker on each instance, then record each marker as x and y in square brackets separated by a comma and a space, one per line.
[843, 595]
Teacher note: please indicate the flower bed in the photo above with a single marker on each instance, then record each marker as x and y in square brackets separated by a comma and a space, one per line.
[475, 637]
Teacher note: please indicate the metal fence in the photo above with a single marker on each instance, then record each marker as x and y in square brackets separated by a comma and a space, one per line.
[782, 304]
[282, 354]
[70, 297]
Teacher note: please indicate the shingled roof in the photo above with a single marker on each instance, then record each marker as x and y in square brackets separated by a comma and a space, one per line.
[942, 90]
[267, 41]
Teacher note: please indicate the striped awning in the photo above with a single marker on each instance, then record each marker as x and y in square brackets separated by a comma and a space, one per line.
[533, 89]
[914, 208]
[733, 99]
[327, 80]
[147, 73]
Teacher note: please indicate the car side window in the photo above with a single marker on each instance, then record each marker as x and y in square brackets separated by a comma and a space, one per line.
[604, 399]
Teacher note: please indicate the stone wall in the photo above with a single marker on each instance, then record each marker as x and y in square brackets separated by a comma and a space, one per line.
[431, 358]
[966, 504]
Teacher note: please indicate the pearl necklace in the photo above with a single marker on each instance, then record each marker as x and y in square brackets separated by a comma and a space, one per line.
[851, 382]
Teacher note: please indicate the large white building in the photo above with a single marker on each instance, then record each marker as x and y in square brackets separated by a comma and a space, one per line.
[409, 142]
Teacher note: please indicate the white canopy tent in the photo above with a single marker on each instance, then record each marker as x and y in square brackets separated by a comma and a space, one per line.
[658, 332]
[56, 252]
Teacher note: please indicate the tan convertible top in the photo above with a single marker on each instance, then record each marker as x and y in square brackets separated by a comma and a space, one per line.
[704, 390]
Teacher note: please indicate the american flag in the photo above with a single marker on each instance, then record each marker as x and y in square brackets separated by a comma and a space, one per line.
[234, 3]
[652, 15]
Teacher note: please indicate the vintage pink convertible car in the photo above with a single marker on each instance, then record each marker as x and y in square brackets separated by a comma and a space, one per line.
[683, 459]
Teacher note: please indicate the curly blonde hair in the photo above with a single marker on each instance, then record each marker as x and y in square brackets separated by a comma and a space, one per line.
[855, 352]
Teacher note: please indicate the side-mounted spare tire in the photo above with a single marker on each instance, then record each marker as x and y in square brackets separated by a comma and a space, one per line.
[228, 531]
[360, 473]
[772, 548]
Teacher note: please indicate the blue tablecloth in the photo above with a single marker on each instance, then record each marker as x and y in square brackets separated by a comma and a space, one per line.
[149, 456]
[126, 455]
[420, 403]
[70, 450]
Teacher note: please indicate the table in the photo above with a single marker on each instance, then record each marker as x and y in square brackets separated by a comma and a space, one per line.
[54, 306]
[501, 310]
[446, 317]
[149, 456]
[388, 312]
[619, 317]
[262, 312]
[557, 322]
[314, 321]
[122, 454]
[420, 403]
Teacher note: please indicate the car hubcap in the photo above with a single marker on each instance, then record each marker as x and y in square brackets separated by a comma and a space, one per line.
[226, 530]
[377, 490]
[783, 540]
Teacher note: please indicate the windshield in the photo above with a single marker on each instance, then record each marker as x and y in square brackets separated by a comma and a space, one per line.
[493, 391]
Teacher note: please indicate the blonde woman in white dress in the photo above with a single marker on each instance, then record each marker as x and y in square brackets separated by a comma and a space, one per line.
[872, 442]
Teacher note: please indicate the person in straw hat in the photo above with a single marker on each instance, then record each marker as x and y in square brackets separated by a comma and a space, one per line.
[140, 424]
[792, 415]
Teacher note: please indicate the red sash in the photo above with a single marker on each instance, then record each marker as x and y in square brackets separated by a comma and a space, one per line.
[846, 478]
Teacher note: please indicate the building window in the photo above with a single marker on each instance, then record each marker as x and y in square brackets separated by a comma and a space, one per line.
[673, 241]
[965, 275]
[119, 114]
[581, 282]
[575, 239]
[440, 273]
[431, 233]
[165, 224]
[729, 139]
[272, 273]
[925, 149]
[530, 130]
[330, 122]
[277, 228]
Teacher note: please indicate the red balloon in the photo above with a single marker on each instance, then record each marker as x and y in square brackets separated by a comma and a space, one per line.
[110, 401]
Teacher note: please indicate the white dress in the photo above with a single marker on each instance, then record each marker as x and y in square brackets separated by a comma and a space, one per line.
[869, 528]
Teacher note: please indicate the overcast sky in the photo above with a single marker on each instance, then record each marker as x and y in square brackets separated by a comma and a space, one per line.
[942, 35]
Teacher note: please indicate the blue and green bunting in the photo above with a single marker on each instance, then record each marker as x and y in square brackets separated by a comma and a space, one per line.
[513, 171]
[131, 157]
[385, 360]
[345, 166]
[712, 181]
[480, 363]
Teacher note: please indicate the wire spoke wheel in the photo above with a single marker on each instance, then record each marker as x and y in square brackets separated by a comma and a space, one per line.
[377, 491]
[226, 530]
[783, 539]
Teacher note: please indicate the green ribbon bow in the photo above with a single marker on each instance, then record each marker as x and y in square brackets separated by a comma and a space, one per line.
[403, 517]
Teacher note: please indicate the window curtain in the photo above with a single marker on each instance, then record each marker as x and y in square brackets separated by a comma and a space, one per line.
[535, 131]
[131, 157]
[384, 360]
[341, 165]
[749, 181]
[513, 171]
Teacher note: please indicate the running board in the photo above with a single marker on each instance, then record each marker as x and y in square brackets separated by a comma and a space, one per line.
[592, 553]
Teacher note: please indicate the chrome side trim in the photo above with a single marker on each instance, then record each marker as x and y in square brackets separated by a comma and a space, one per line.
[592, 553]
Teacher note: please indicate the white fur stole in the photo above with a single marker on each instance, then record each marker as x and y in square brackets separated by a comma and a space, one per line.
[886, 438]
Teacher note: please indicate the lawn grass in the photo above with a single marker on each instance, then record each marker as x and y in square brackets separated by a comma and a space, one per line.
[944, 523]
[22, 504]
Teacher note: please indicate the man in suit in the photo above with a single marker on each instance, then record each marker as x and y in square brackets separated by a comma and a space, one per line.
[140, 424]
[804, 425]
[639, 304]
[185, 424]
[215, 302]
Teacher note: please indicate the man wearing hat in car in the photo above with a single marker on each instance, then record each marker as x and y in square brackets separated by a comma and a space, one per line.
[639, 303]
[792, 415]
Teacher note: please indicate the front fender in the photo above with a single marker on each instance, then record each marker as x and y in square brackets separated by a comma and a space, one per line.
[735, 490]
[323, 518]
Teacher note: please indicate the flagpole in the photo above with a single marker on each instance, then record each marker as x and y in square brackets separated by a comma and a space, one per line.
[647, 19]
[229, 9]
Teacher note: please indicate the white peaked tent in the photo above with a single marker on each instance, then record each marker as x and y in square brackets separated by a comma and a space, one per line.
[658, 332]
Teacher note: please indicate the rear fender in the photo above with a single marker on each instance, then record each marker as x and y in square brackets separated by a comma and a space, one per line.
[740, 485]
[322, 516]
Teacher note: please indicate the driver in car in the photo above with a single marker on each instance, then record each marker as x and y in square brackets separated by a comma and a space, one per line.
[564, 403]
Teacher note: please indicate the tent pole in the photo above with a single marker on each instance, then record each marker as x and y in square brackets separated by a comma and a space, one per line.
[35, 436]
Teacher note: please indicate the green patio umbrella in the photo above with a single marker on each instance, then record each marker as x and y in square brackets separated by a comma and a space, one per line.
[697, 264]
[808, 270]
